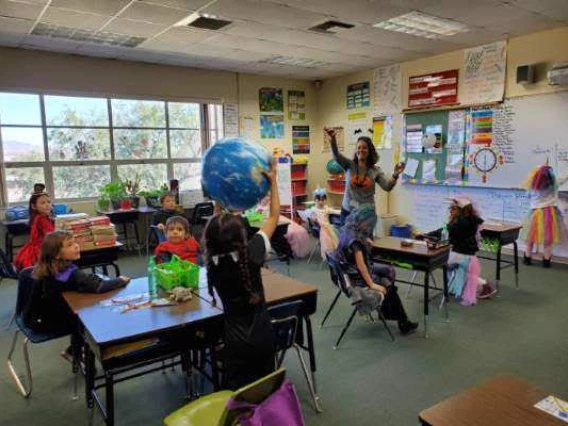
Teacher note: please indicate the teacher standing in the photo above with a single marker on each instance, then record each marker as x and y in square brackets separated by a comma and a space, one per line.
[361, 174]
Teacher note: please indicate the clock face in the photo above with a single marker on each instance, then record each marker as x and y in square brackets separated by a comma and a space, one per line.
[485, 160]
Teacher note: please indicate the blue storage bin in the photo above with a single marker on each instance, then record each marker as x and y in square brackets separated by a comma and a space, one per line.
[60, 209]
[17, 212]
[401, 231]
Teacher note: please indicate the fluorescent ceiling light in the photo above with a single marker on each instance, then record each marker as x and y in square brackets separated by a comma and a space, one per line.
[421, 25]
[294, 62]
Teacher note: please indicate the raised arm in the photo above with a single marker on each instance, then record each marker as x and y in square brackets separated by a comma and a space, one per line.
[272, 221]
[337, 156]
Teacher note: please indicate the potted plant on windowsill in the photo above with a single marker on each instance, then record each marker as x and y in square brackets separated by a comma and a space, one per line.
[153, 197]
[132, 187]
[115, 192]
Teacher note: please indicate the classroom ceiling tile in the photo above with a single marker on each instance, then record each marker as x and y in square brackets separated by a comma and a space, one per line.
[178, 37]
[73, 19]
[100, 51]
[222, 52]
[17, 9]
[526, 24]
[134, 28]
[189, 5]
[15, 25]
[280, 15]
[99, 7]
[151, 12]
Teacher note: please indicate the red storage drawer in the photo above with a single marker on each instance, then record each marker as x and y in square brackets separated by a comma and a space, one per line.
[336, 185]
[298, 187]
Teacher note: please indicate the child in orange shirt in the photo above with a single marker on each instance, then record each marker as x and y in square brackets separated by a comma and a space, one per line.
[179, 241]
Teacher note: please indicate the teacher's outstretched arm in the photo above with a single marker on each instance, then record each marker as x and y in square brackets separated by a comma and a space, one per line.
[337, 156]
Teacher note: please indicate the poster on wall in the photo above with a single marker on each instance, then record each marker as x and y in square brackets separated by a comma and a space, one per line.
[358, 124]
[434, 89]
[300, 139]
[270, 100]
[382, 132]
[296, 105]
[387, 86]
[339, 137]
[358, 95]
[231, 120]
[484, 73]
[272, 127]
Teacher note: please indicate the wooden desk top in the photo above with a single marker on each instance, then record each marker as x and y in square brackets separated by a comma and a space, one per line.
[501, 401]
[107, 325]
[501, 227]
[419, 248]
[116, 246]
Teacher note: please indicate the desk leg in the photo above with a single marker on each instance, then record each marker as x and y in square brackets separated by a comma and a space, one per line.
[498, 267]
[426, 296]
[9, 246]
[312, 353]
[516, 254]
[109, 391]
[446, 293]
[89, 375]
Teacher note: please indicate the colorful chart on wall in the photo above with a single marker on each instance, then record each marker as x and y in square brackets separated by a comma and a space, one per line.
[382, 132]
[296, 105]
[272, 127]
[434, 89]
[270, 99]
[301, 139]
[358, 95]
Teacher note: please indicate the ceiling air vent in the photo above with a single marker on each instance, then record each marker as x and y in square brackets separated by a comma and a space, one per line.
[206, 23]
[331, 27]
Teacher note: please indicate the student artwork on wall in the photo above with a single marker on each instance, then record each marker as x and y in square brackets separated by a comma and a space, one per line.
[484, 73]
[296, 105]
[271, 100]
[435, 89]
[358, 124]
[358, 95]
[272, 127]
[387, 90]
[300, 139]
[338, 137]
[382, 132]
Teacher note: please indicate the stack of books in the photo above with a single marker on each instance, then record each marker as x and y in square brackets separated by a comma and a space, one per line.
[91, 233]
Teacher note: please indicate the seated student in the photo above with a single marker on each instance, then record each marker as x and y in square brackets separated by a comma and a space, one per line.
[320, 215]
[179, 241]
[168, 209]
[55, 273]
[373, 283]
[463, 233]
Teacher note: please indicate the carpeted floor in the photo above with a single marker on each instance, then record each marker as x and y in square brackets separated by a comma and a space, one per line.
[367, 381]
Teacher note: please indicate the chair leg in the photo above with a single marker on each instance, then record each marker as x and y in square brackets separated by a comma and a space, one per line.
[316, 246]
[311, 387]
[382, 318]
[331, 307]
[21, 388]
[11, 322]
[407, 295]
[345, 328]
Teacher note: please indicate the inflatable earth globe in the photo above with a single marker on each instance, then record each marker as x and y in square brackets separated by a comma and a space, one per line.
[333, 167]
[231, 173]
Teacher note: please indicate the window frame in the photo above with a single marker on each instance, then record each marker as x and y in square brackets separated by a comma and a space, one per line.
[205, 136]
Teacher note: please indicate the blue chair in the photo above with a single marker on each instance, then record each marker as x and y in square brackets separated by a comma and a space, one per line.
[26, 287]
[315, 231]
[338, 278]
[286, 324]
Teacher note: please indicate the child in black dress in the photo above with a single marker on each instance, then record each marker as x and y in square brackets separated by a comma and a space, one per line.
[233, 269]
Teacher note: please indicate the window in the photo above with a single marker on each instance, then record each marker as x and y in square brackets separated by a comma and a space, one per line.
[77, 144]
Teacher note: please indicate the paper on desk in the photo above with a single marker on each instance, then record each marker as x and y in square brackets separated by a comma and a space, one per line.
[554, 406]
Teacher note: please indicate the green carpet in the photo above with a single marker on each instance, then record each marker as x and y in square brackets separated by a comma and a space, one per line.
[367, 381]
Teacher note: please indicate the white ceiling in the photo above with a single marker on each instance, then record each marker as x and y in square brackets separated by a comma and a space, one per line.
[263, 29]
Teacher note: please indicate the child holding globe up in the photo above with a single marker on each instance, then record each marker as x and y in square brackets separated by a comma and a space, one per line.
[233, 269]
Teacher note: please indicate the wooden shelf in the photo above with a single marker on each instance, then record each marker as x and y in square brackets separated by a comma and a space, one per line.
[335, 192]
[298, 179]
[336, 180]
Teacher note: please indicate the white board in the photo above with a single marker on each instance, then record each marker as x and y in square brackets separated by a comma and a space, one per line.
[527, 131]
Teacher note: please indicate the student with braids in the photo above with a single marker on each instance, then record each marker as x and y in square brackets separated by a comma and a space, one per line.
[233, 269]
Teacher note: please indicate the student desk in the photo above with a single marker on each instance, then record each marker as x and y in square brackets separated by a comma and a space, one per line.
[503, 234]
[102, 257]
[13, 228]
[503, 401]
[140, 327]
[417, 257]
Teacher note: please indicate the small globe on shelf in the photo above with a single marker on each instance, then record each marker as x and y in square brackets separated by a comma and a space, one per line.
[232, 173]
[333, 167]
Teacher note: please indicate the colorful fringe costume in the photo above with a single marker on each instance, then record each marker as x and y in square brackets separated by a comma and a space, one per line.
[465, 282]
[544, 222]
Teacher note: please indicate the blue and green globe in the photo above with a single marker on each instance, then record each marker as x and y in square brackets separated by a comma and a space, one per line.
[333, 167]
[231, 173]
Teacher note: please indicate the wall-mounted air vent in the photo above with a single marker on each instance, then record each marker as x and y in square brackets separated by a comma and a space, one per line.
[332, 27]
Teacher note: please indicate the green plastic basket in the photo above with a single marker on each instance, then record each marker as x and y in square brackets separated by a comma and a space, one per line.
[177, 273]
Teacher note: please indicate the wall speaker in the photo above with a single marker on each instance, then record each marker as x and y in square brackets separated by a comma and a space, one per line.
[525, 74]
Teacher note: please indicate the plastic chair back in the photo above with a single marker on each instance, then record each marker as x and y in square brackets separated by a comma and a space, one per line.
[314, 228]
[6, 268]
[285, 320]
[158, 233]
[200, 210]
[337, 274]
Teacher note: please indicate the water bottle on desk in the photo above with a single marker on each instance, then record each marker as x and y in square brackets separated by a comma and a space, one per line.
[444, 238]
[152, 285]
